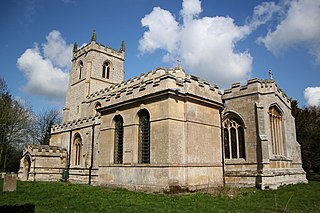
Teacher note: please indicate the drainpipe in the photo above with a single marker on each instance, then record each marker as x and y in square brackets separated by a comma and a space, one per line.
[69, 155]
[222, 145]
[92, 147]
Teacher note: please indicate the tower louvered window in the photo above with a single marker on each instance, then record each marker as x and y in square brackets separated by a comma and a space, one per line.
[80, 67]
[234, 139]
[144, 137]
[118, 140]
[106, 70]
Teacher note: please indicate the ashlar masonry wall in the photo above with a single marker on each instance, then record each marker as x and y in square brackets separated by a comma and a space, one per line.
[261, 168]
[185, 137]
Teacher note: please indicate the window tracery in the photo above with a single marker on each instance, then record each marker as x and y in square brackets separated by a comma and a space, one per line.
[234, 139]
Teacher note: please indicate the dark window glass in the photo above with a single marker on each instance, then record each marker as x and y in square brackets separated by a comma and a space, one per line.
[233, 142]
[226, 143]
[242, 150]
[144, 137]
[118, 140]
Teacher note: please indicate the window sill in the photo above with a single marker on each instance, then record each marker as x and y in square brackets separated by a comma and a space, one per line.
[235, 161]
[279, 158]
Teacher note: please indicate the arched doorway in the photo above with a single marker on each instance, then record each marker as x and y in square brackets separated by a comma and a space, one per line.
[27, 166]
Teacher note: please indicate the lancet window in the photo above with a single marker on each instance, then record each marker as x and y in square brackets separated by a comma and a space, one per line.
[118, 140]
[234, 138]
[77, 147]
[144, 137]
[276, 129]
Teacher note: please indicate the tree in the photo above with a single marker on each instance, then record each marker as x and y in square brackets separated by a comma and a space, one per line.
[15, 123]
[43, 123]
[308, 135]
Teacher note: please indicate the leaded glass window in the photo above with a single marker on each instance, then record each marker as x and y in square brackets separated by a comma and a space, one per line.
[118, 140]
[144, 137]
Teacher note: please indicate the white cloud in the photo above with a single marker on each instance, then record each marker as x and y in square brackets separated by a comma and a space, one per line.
[163, 32]
[190, 9]
[300, 25]
[46, 72]
[57, 51]
[208, 49]
[206, 46]
[263, 13]
[312, 96]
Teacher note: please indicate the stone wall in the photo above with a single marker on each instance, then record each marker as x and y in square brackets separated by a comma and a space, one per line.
[92, 56]
[261, 168]
[42, 162]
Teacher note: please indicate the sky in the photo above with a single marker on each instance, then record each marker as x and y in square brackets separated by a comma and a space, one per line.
[220, 41]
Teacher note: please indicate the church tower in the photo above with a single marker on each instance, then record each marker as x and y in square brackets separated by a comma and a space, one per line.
[94, 67]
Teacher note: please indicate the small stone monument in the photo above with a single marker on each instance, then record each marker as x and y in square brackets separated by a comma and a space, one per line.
[10, 182]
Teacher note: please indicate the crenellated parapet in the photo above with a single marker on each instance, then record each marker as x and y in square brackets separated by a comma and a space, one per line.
[155, 81]
[256, 86]
[37, 149]
[100, 48]
[80, 123]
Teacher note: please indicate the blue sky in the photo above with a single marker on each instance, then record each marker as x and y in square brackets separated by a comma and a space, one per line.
[221, 41]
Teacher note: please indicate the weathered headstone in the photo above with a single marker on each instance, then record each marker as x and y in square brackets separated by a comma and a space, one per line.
[10, 182]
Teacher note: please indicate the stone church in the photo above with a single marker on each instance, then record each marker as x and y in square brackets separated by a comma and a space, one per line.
[165, 129]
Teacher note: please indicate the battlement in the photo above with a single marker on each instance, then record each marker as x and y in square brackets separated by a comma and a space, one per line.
[37, 148]
[256, 86]
[82, 122]
[98, 47]
[154, 81]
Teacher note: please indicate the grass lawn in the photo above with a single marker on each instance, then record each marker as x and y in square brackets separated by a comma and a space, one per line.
[64, 197]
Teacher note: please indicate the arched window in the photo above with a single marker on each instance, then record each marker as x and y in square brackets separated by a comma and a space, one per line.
[106, 70]
[144, 137]
[80, 68]
[118, 140]
[77, 147]
[96, 107]
[276, 128]
[234, 139]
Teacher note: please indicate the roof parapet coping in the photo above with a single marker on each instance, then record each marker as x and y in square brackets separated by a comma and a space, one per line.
[256, 85]
[45, 148]
[96, 46]
[154, 77]
[83, 121]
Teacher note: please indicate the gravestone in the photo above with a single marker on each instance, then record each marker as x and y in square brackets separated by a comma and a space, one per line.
[10, 182]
